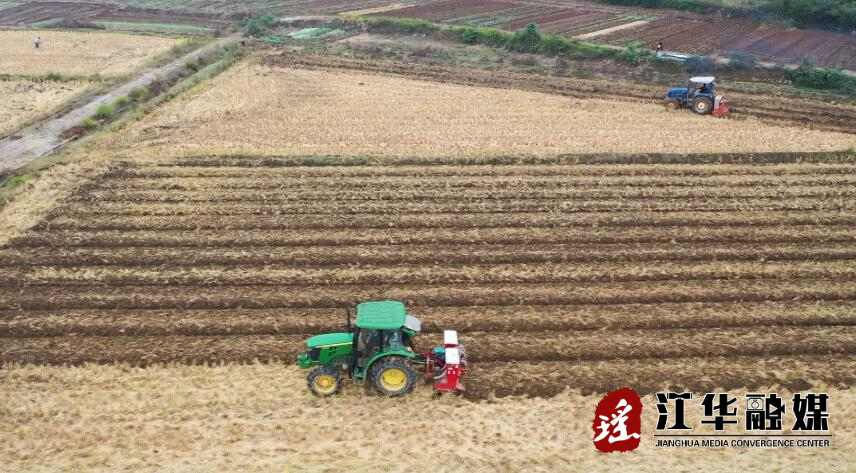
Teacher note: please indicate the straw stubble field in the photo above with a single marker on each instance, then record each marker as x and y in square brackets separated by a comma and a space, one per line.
[259, 417]
[78, 53]
[23, 100]
[306, 106]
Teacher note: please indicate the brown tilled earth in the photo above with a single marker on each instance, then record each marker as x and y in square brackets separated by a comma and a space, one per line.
[588, 277]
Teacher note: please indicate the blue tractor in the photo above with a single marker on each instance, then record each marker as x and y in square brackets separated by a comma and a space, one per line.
[699, 96]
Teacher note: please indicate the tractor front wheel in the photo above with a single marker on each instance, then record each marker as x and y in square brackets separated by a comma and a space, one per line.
[324, 381]
[702, 105]
[672, 104]
[393, 377]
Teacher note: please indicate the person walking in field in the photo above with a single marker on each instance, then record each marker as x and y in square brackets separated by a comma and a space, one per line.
[660, 45]
[37, 41]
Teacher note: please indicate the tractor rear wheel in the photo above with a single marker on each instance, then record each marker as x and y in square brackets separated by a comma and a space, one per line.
[393, 376]
[672, 104]
[702, 105]
[324, 381]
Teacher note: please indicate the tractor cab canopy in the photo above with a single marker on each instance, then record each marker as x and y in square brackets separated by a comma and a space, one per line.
[386, 315]
[702, 84]
[702, 80]
[383, 327]
[381, 315]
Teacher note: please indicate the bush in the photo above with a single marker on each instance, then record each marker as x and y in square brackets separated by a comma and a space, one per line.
[122, 101]
[469, 35]
[53, 76]
[257, 25]
[527, 40]
[825, 79]
[139, 94]
[192, 65]
[67, 24]
[398, 25]
[103, 112]
[699, 64]
[89, 123]
[741, 60]
[632, 54]
[16, 181]
[494, 37]
[554, 45]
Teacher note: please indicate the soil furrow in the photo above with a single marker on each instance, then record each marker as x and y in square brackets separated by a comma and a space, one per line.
[397, 274]
[653, 317]
[167, 218]
[481, 346]
[289, 236]
[416, 182]
[287, 195]
[460, 294]
[385, 207]
[245, 169]
[324, 256]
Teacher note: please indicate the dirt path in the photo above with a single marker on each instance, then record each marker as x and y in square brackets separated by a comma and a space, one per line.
[46, 137]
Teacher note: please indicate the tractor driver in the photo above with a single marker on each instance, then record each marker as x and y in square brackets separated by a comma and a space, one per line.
[695, 89]
[368, 343]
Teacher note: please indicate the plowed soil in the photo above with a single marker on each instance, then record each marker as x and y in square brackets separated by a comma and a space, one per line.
[588, 277]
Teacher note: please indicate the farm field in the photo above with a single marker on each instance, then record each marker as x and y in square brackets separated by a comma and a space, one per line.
[723, 37]
[78, 53]
[23, 100]
[259, 417]
[590, 276]
[681, 31]
[328, 106]
[34, 14]
[156, 287]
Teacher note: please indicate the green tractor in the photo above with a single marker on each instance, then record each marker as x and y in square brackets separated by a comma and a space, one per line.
[379, 349]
